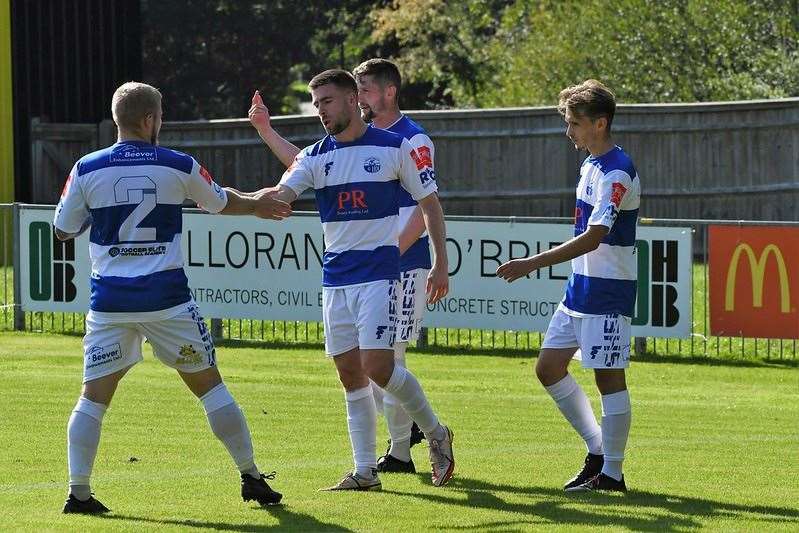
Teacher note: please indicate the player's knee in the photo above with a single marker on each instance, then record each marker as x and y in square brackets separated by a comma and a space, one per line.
[610, 381]
[549, 371]
[379, 370]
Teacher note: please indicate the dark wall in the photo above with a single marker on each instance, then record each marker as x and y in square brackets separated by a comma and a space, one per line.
[68, 56]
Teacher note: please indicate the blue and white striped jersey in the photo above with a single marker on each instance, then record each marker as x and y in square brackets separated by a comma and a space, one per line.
[134, 192]
[418, 255]
[357, 188]
[608, 194]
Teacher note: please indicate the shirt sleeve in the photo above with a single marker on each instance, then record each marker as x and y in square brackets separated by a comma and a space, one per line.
[611, 190]
[204, 191]
[416, 170]
[299, 176]
[72, 210]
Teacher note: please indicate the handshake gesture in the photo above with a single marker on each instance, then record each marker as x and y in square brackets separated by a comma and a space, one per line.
[268, 206]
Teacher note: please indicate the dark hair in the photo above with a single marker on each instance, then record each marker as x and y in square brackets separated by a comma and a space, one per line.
[338, 77]
[591, 98]
[384, 72]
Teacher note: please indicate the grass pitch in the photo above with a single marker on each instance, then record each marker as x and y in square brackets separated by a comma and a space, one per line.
[713, 446]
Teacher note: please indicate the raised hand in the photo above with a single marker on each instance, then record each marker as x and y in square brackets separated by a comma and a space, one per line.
[270, 207]
[259, 113]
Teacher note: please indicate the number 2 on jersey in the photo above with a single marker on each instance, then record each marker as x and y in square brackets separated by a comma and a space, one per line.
[139, 190]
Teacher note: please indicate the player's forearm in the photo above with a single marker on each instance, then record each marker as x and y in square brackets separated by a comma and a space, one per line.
[64, 236]
[283, 149]
[238, 203]
[434, 222]
[587, 242]
[412, 231]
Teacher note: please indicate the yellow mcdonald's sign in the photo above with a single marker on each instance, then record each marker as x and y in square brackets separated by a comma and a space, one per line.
[757, 266]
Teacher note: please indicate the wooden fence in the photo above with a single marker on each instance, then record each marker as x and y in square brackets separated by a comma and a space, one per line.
[737, 160]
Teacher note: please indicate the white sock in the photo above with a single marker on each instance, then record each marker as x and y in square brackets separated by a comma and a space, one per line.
[574, 404]
[616, 418]
[83, 437]
[228, 424]
[362, 425]
[405, 388]
[377, 394]
[399, 423]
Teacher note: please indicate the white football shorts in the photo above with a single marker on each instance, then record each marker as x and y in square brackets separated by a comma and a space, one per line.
[603, 340]
[360, 316]
[182, 342]
[411, 303]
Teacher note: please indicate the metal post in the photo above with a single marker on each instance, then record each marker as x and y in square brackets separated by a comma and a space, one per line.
[19, 315]
[216, 329]
[640, 345]
[422, 343]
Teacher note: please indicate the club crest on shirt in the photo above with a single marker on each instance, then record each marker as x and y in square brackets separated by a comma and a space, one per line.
[371, 165]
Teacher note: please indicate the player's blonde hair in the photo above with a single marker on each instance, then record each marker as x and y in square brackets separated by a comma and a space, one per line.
[132, 102]
[591, 98]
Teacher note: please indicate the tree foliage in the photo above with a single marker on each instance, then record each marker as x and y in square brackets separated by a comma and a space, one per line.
[471, 53]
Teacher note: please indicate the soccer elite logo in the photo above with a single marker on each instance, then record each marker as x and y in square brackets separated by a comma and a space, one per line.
[51, 264]
[753, 281]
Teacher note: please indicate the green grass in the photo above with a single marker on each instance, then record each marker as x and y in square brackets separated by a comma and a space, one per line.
[713, 445]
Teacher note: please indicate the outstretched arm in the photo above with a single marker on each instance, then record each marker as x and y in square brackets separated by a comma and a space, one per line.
[262, 205]
[259, 118]
[580, 245]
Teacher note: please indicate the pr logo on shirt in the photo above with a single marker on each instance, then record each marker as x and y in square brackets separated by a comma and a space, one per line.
[617, 193]
[352, 200]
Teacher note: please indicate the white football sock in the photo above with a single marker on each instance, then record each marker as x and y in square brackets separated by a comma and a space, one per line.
[398, 421]
[405, 388]
[616, 418]
[574, 404]
[83, 438]
[362, 425]
[228, 424]
[378, 394]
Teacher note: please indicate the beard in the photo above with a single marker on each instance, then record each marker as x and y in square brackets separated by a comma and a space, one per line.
[337, 127]
[367, 114]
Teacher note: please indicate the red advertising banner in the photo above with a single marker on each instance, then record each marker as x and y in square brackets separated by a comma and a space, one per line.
[754, 281]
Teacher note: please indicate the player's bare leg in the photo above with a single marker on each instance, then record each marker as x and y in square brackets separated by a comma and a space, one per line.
[552, 371]
[83, 438]
[230, 427]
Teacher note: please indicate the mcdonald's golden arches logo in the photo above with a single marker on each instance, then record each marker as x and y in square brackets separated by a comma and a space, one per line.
[753, 281]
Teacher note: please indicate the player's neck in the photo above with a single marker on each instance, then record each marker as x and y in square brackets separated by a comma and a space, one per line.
[601, 147]
[354, 131]
[387, 119]
[125, 135]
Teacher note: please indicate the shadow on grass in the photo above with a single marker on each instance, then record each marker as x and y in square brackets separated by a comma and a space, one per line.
[287, 521]
[640, 510]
